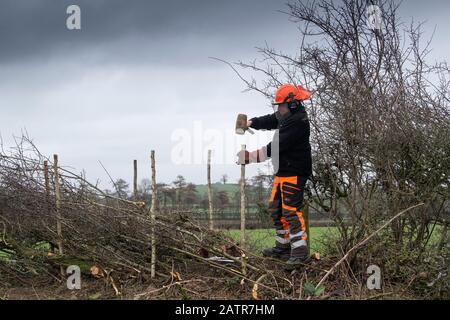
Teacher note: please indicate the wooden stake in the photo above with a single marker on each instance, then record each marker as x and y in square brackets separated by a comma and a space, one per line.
[135, 181]
[58, 209]
[242, 182]
[47, 183]
[210, 201]
[153, 214]
[47, 196]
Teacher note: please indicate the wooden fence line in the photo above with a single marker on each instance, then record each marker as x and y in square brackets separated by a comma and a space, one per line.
[153, 214]
[58, 209]
[135, 189]
[210, 200]
[243, 207]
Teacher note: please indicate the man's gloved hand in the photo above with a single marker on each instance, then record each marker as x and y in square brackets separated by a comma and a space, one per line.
[245, 157]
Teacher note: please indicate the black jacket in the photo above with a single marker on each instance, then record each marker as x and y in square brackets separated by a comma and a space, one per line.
[292, 138]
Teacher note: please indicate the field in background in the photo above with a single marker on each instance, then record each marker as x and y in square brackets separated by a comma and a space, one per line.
[262, 238]
[230, 188]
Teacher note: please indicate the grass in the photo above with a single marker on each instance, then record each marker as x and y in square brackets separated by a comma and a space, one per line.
[436, 235]
[257, 239]
[263, 238]
[41, 246]
[230, 188]
[4, 254]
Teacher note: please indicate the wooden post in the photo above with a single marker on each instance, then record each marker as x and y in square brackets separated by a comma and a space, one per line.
[153, 214]
[210, 200]
[47, 183]
[135, 181]
[47, 196]
[58, 209]
[242, 183]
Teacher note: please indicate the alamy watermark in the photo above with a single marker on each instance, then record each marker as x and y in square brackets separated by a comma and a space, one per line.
[374, 279]
[74, 277]
[374, 17]
[190, 145]
[73, 21]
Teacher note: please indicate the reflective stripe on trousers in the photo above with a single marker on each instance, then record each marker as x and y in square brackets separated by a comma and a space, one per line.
[286, 202]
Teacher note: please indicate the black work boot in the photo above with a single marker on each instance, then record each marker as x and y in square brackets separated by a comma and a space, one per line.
[277, 252]
[298, 258]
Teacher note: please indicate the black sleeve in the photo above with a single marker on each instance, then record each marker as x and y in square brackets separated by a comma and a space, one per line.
[292, 131]
[267, 122]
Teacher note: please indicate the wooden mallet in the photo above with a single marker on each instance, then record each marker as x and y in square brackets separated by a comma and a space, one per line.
[241, 124]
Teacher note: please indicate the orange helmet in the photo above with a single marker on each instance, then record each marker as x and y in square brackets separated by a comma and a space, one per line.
[287, 91]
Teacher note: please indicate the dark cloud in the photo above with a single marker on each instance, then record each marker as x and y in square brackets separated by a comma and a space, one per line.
[155, 32]
[134, 29]
[176, 31]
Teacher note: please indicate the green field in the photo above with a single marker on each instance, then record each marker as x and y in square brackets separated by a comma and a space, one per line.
[262, 238]
[230, 188]
[258, 239]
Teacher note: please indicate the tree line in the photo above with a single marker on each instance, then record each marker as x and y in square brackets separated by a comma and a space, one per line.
[182, 194]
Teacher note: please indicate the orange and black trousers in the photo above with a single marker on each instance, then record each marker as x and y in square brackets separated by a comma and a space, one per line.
[285, 207]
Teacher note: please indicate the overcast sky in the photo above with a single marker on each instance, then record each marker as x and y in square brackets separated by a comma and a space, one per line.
[138, 76]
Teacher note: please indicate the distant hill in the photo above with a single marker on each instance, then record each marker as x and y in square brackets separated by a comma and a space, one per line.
[231, 188]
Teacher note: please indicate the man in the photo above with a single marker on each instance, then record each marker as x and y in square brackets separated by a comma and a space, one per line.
[290, 151]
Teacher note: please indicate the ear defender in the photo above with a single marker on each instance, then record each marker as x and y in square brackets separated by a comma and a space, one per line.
[293, 103]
